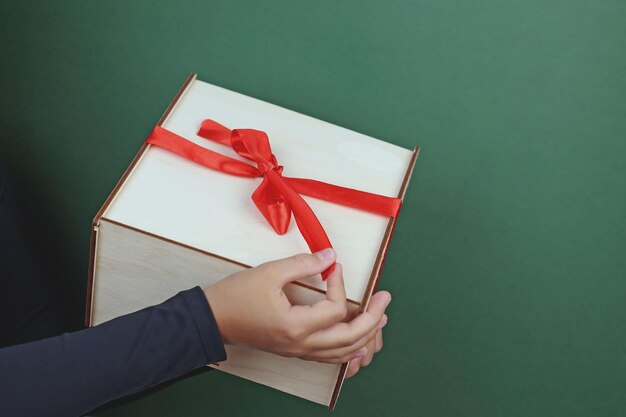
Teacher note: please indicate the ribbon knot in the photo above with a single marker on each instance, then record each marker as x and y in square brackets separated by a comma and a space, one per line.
[265, 167]
[277, 197]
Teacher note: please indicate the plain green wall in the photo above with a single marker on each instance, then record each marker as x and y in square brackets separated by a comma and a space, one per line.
[508, 266]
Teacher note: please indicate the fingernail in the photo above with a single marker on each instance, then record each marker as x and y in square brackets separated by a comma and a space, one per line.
[325, 254]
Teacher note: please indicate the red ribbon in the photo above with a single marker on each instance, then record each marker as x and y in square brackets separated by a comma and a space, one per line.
[277, 196]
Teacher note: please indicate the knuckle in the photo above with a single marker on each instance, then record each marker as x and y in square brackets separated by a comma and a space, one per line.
[292, 347]
[303, 261]
[291, 331]
[295, 333]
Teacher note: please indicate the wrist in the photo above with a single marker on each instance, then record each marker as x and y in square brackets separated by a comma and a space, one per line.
[218, 314]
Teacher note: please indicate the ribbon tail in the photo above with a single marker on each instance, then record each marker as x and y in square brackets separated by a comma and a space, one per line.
[308, 223]
[362, 200]
[211, 130]
[272, 206]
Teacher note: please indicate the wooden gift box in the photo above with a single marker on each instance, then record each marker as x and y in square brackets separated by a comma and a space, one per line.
[171, 224]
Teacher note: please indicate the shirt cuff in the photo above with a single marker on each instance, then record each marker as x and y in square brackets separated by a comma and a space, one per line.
[205, 324]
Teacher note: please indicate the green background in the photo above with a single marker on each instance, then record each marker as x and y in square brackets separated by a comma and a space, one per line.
[508, 265]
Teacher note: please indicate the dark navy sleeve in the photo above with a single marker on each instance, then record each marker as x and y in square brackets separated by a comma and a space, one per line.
[72, 374]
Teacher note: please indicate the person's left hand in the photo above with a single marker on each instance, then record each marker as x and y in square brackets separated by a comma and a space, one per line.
[373, 346]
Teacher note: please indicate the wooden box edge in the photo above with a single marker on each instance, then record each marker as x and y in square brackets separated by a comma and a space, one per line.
[373, 280]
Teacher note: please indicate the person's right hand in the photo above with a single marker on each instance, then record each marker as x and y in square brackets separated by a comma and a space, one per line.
[251, 309]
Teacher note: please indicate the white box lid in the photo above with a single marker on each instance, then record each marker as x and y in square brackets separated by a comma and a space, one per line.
[172, 197]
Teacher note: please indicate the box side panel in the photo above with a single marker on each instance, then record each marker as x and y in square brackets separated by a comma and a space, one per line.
[135, 270]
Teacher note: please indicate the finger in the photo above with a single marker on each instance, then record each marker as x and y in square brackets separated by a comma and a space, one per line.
[318, 357]
[335, 288]
[346, 334]
[353, 367]
[371, 346]
[379, 341]
[299, 266]
[343, 354]
[324, 313]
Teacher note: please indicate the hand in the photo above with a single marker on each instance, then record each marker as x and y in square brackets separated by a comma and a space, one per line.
[251, 309]
[373, 346]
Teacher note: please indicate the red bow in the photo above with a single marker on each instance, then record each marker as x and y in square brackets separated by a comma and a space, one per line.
[277, 196]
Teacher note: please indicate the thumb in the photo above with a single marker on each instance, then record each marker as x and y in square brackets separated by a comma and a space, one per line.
[301, 266]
